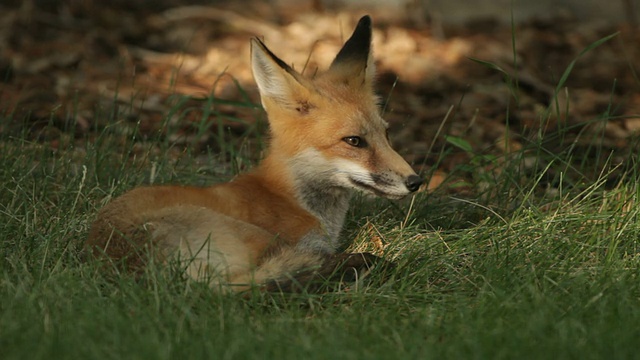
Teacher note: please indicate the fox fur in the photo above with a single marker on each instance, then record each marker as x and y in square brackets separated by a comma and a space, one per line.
[280, 223]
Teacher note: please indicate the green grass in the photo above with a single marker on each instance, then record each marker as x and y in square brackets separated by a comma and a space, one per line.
[515, 271]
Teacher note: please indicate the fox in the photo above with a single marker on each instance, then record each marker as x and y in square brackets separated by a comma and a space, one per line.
[276, 227]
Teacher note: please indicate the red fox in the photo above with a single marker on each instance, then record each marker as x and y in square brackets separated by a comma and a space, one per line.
[277, 226]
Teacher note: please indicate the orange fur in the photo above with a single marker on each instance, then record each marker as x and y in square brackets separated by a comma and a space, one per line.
[284, 217]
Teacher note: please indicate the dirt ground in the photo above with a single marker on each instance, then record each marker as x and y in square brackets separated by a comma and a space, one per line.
[76, 67]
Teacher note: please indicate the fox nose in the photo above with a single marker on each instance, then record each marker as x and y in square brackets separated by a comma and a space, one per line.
[413, 182]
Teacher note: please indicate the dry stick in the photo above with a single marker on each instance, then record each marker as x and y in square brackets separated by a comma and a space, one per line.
[225, 16]
[406, 218]
[433, 142]
[306, 63]
[480, 206]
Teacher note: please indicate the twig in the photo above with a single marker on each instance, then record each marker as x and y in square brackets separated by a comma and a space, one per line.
[225, 16]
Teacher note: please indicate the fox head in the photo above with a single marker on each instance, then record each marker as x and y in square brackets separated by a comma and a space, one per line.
[328, 128]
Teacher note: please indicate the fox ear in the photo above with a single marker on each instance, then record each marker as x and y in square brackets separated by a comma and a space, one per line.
[354, 63]
[277, 81]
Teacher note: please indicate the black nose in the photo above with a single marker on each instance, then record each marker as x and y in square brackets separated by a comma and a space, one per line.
[413, 182]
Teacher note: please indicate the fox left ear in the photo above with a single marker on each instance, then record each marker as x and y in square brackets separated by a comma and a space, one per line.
[278, 83]
[354, 63]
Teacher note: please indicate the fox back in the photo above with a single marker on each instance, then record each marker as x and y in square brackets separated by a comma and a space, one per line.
[283, 218]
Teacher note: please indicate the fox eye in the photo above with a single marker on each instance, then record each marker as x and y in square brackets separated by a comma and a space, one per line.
[355, 141]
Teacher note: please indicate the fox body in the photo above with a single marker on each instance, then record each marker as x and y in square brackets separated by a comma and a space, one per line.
[283, 218]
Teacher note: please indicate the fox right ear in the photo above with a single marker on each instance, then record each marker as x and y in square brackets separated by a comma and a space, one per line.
[354, 63]
[276, 80]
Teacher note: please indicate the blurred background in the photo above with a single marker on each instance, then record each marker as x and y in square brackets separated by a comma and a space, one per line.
[459, 79]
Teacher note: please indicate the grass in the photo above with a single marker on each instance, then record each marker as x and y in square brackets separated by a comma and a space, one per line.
[513, 272]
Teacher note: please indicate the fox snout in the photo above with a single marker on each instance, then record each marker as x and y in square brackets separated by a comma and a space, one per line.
[397, 189]
[388, 185]
[413, 183]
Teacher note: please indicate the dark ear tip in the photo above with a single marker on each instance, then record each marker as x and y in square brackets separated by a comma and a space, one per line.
[364, 22]
[255, 41]
[358, 47]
